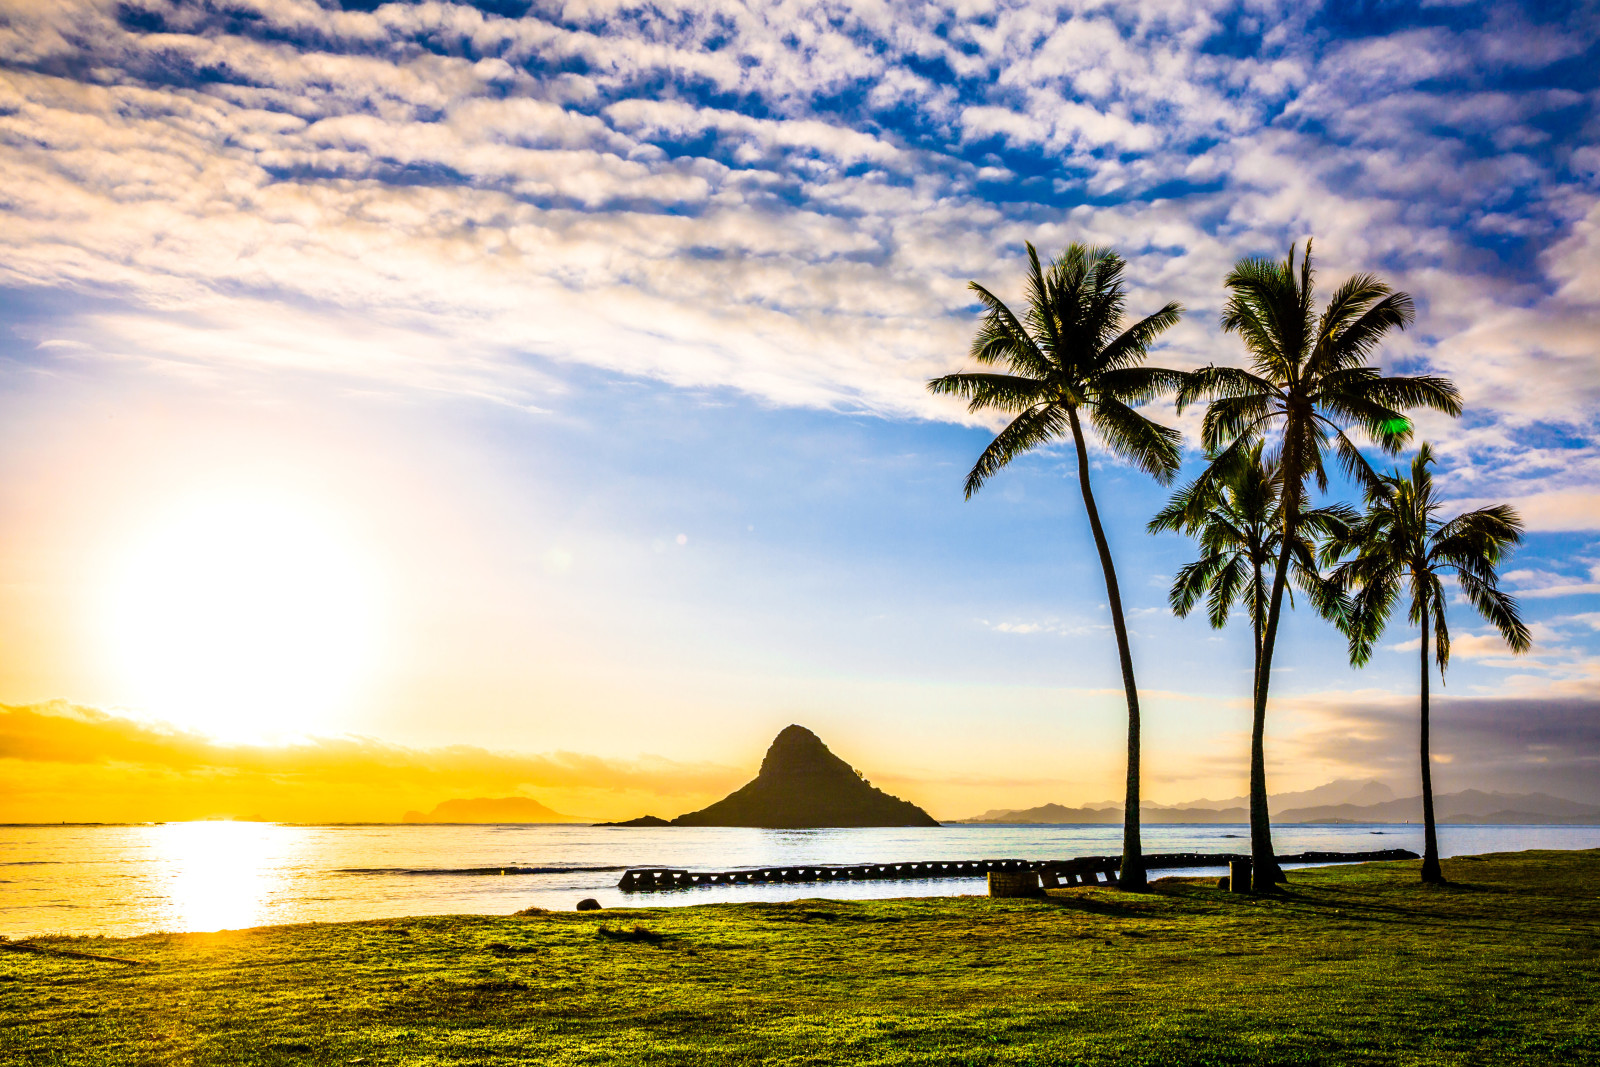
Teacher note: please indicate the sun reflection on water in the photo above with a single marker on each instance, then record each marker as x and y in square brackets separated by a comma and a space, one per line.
[220, 875]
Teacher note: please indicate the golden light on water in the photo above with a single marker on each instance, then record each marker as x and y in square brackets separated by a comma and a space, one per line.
[218, 875]
[242, 616]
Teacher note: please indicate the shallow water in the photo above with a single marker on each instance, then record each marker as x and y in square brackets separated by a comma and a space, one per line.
[121, 880]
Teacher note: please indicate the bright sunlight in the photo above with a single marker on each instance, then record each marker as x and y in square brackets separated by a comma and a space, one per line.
[218, 875]
[245, 616]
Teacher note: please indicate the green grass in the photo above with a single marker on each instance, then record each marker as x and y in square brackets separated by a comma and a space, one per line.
[1352, 965]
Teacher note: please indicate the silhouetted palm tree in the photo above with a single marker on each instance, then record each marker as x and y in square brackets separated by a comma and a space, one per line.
[1306, 382]
[1402, 549]
[1069, 356]
[1234, 517]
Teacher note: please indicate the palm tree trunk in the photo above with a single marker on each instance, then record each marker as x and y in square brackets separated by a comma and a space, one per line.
[1132, 875]
[1255, 668]
[1255, 661]
[1263, 856]
[1264, 859]
[1430, 837]
[1257, 746]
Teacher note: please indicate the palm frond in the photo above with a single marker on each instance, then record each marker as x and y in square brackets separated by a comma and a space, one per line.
[1153, 448]
[1192, 581]
[1186, 509]
[998, 392]
[1002, 338]
[1212, 382]
[1133, 344]
[1347, 400]
[1232, 418]
[1368, 613]
[1499, 609]
[1351, 460]
[1434, 601]
[1361, 312]
[1430, 391]
[1138, 385]
[1029, 430]
[1225, 587]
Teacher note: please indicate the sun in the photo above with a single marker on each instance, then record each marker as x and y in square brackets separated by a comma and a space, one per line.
[245, 615]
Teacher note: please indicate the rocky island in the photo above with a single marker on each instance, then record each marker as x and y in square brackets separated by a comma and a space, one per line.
[802, 786]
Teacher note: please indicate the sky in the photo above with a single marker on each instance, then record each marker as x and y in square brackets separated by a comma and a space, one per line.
[424, 400]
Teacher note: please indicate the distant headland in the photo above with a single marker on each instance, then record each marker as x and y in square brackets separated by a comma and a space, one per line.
[488, 810]
[801, 786]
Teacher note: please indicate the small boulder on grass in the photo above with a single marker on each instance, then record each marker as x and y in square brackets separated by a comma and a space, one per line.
[588, 904]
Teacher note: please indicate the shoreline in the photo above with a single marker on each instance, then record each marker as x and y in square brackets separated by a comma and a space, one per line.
[642, 902]
[1353, 964]
[953, 823]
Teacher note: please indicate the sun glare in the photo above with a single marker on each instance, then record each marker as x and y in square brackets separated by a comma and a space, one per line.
[217, 875]
[245, 617]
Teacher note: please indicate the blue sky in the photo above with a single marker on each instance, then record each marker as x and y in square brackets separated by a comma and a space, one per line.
[601, 331]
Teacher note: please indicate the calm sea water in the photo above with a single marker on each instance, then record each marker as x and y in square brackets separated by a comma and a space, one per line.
[121, 880]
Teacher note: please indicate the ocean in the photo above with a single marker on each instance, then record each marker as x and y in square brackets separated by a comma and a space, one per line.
[202, 876]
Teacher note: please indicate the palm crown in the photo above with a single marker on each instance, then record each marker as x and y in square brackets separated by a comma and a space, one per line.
[1307, 374]
[1068, 352]
[1401, 546]
[1235, 518]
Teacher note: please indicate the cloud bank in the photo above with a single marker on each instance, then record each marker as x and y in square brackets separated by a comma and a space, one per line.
[787, 198]
[64, 762]
[1548, 743]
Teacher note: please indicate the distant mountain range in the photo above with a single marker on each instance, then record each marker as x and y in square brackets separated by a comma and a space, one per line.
[1343, 791]
[1468, 806]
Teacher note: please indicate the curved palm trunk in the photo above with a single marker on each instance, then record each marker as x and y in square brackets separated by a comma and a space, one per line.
[1264, 859]
[1132, 875]
[1430, 837]
[1258, 726]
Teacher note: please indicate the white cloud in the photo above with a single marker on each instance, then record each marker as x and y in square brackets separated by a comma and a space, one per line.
[1052, 626]
[805, 256]
[1539, 583]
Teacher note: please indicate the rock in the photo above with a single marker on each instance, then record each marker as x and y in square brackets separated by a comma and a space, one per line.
[643, 820]
[1223, 883]
[588, 904]
[802, 785]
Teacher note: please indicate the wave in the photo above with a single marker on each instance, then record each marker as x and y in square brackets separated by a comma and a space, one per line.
[476, 870]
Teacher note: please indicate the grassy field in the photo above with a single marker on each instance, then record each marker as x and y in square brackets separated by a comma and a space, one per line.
[1352, 965]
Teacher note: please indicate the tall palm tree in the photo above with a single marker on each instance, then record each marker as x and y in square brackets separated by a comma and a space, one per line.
[1235, 518]
[1402, 548]
[1307, 381]
[1070, 356]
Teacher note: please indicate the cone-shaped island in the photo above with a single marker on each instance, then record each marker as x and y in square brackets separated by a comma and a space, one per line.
[803, 786]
